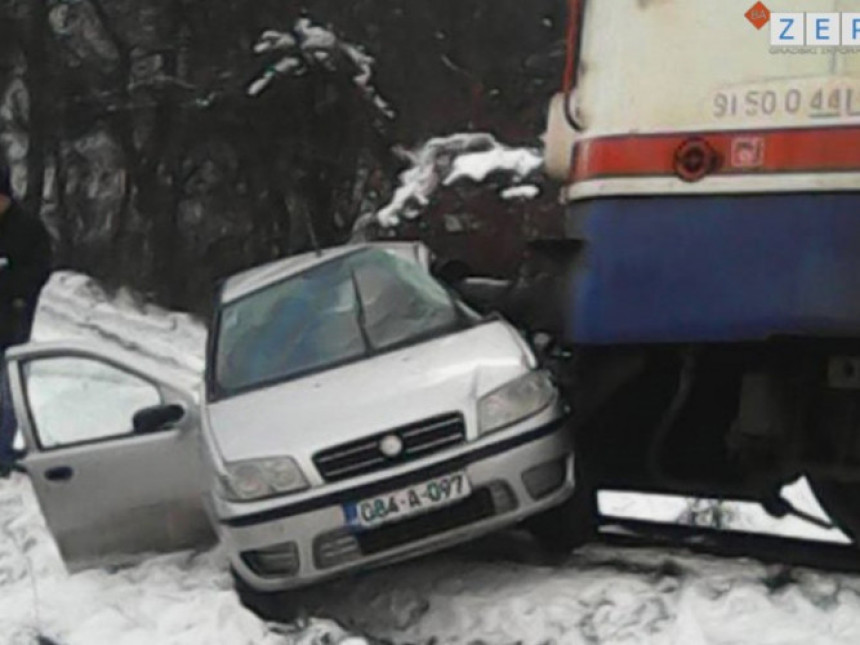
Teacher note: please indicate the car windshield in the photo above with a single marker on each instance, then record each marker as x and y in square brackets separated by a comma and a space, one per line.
[339, 311]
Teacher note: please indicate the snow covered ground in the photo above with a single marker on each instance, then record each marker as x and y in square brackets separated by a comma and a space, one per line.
[177, 599]
[499, 591]
[183, 599]
[601, 595]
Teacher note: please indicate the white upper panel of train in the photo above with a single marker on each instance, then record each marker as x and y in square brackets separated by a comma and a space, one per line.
[702, 65]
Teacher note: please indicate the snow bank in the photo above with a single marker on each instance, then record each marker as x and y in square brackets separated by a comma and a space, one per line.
[74, 306]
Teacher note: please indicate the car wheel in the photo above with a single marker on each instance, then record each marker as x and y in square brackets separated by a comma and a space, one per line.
[567, 526]
[841, 501]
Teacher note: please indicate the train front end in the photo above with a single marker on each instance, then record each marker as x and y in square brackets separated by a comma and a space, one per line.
[711, 159]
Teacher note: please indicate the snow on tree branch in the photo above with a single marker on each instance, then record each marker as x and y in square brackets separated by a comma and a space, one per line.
[274, 40]
[477, 166]
[524, 193]
[443, 161]
[308, 45]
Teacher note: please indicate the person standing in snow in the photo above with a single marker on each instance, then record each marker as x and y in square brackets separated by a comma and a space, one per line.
[25, 264]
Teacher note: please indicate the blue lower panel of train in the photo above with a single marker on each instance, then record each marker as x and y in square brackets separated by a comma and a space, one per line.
[715, 268]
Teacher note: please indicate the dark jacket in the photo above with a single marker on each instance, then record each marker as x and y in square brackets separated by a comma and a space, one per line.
[25, 265]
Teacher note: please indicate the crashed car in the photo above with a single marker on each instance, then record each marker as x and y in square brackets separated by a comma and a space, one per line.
[354, 413]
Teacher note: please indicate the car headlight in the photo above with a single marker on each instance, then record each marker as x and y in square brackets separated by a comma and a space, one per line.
[515, 401]
[260, 478]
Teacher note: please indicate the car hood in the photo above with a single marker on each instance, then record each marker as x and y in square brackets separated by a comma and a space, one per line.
[300, 417]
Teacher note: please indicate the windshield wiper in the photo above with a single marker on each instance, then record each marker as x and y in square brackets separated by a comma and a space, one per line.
[360, 315]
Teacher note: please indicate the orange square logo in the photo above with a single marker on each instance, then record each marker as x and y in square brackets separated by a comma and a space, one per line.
[758, 15]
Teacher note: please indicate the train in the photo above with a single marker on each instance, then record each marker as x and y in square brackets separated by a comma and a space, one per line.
[709, 288]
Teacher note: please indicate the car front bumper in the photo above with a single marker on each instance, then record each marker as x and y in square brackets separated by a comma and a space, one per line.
[313, 537]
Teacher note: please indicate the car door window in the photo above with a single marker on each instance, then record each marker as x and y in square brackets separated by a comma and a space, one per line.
[76, 400]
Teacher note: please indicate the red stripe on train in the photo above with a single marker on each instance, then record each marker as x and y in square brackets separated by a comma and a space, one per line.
[718, 153]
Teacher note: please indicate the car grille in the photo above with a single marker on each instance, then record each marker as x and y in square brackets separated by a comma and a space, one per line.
[366, 456]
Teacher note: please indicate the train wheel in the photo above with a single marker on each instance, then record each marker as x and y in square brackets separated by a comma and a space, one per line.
[841, 501]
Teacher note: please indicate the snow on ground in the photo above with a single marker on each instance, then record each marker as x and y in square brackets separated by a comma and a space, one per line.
[182, 599]
[74, 306]
[600, 595]
[726, 514]
[496, 591]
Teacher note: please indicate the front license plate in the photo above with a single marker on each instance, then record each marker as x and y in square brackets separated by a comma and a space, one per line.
[404, 503]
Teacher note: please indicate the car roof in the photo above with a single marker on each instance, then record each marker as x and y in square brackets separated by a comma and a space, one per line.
[254, 279]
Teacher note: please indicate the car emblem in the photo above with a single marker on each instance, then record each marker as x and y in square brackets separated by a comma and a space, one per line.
[391, 446]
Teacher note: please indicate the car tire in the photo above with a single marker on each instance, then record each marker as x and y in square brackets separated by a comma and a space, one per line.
[568, 526]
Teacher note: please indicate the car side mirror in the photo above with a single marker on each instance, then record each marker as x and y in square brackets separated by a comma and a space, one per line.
[156, 418]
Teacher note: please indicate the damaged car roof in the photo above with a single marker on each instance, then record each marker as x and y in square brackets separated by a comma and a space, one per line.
[250, 281]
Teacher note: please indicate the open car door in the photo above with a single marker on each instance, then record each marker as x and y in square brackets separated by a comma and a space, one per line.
[114, 452]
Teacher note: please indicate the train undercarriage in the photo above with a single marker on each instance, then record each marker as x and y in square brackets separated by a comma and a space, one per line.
[725, 421]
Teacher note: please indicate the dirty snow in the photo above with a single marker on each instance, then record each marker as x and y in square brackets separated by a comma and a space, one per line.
[497, 591]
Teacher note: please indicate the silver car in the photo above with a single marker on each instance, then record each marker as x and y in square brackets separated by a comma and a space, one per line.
[354, 413]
